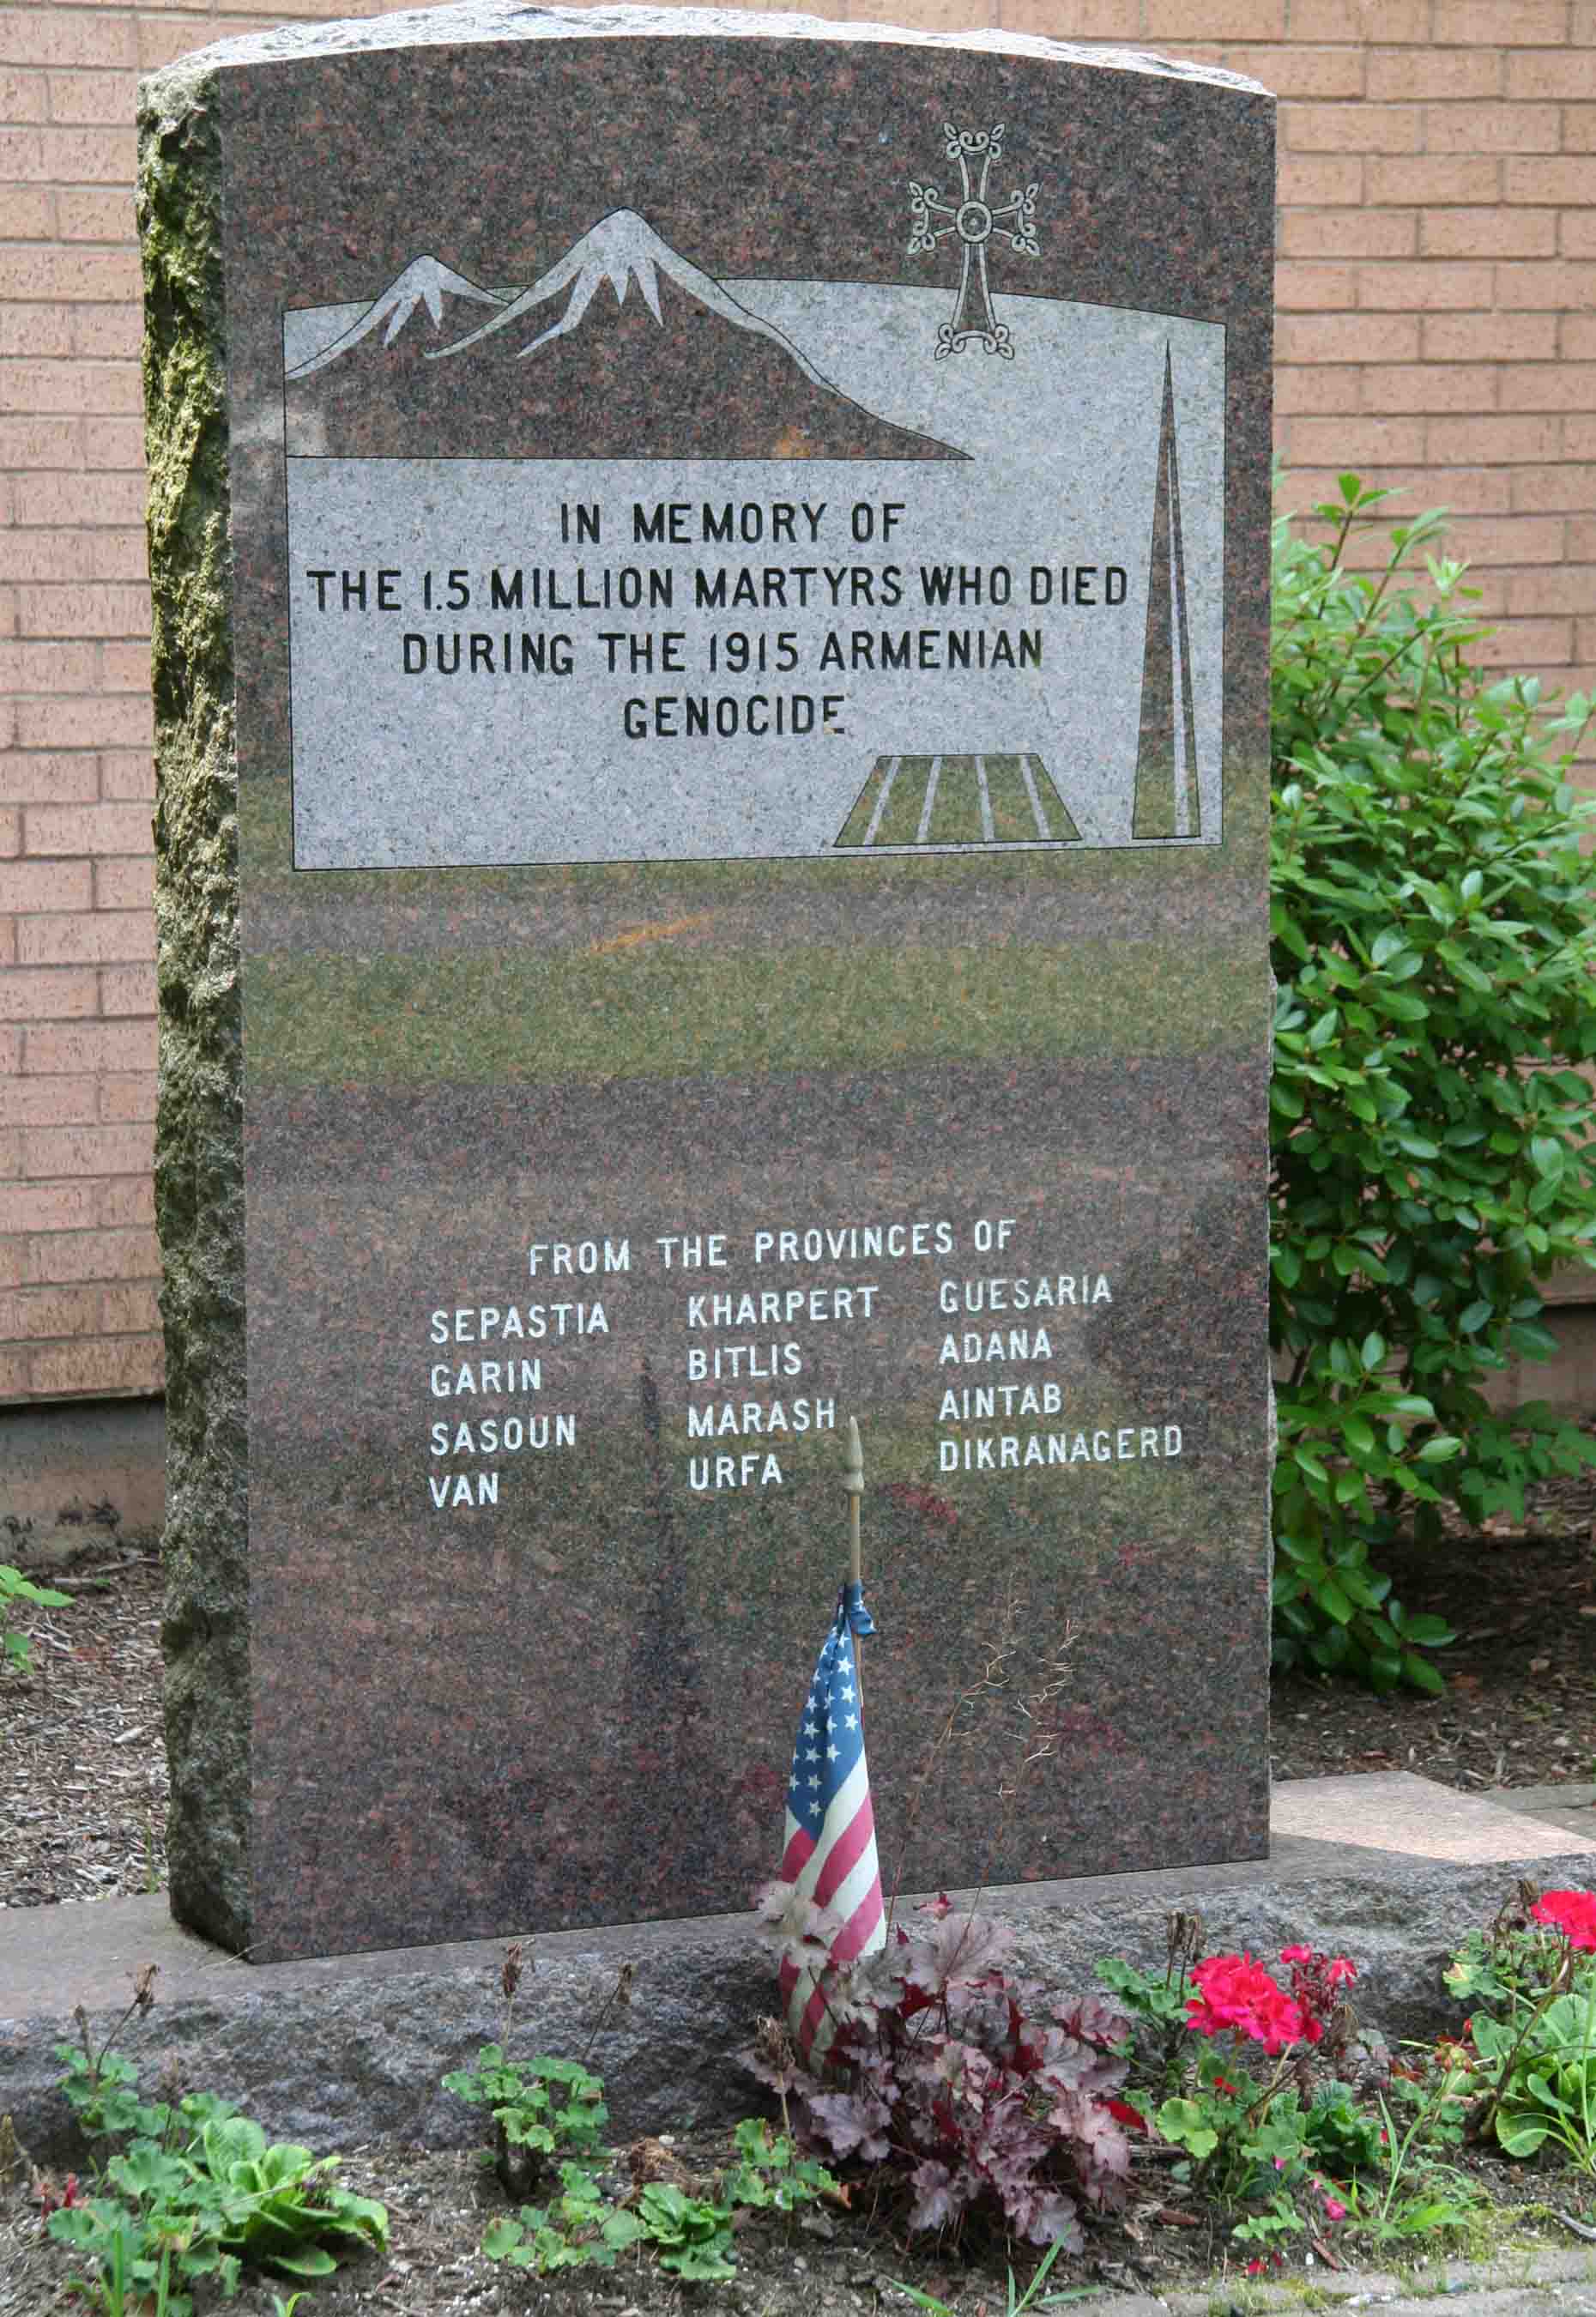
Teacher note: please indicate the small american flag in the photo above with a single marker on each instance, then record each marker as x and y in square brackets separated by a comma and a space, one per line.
[829, 1851]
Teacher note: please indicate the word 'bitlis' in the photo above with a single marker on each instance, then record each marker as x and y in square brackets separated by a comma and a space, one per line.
[975, 221]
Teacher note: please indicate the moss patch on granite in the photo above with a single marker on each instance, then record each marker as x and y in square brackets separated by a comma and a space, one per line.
[198, 1136]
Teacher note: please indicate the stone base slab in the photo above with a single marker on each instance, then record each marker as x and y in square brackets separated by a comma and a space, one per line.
[1390, 1869]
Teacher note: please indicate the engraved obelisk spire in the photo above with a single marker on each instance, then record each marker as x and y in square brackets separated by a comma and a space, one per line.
[1167, 803]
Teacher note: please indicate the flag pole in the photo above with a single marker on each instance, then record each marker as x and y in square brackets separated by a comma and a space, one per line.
[853, 1482]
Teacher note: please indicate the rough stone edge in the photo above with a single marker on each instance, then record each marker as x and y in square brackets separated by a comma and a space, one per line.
[335, 2054]
[481, 20]
[198, 1132]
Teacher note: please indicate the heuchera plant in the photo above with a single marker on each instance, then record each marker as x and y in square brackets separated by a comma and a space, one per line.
[983, 2091]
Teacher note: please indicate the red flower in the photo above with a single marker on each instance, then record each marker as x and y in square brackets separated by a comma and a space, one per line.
[1572, 1912]
[1130, 2117]
[1236, 1992]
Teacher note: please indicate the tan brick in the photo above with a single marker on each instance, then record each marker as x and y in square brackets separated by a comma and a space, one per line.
[94, 98]
[1549, 385]
[1318, 390]
[13, 1256]
[1577, 238]
[127, 1364]
[1579, 436]
[1431, 386]
[162, 38]
[41, 442]
[1490, 337]
[34, 330]
[60, 1258]
[60, 36]
[1545, 491]
[1350, 233]
[89, 157]
[1294, 71]
[114, 442]
[1428, 183]
[1576, 339]
[99, 829]
[58, 1153]
[1395, 76]
[94, 1046]
[1309, 180]
[95, 215]
[125, 667]
[1312, 287]
[1585, 647]
[47, 1206]
[25, 97]
[118, 554]
[48, 1102]
[130, 1095]
[122, 723]
[1579, 129]
[1490, 233]
[132, 1310]
[125, 885]
[27, 886]
[1493, 441]
[1424, 287]
[36, 388]
[106, 610]
[49, 556]
[1515, 643]
[1515, 24]
[1467, 490]
[1359, 20]
[1565, 181]
[1365, 443]
[56, 667]
[1569, 589]
[105, 334]
[11, 833]
[127, 989]
[1563, 74]
[48, 779]
[127, 774]
[29, 213]
[127, 1203]
[22, 156]
[1538, 285]
[1360, 128]
[49, 1311]
[1076, 20]
[1507, 540]
[1346, 339]
[54, 498]
[1476, 129]
[108, 936]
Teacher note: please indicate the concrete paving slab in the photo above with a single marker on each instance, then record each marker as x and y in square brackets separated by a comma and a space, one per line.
[1414, 1818]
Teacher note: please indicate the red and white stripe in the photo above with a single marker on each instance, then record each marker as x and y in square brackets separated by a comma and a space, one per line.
[839, 1869]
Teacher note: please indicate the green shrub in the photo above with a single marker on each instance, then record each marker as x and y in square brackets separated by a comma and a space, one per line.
[14, 1588]
[1434, 923]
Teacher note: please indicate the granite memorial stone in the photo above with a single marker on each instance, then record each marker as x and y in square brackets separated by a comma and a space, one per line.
[711, 599]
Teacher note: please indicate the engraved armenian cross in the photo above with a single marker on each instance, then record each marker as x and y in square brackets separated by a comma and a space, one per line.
[974, 221]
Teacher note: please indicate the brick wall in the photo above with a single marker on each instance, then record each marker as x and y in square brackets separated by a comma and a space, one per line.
[1436, 293]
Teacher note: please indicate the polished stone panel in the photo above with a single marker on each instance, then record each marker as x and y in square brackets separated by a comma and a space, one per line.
[746, 605]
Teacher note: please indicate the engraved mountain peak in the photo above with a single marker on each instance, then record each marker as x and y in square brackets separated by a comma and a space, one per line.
[426, 281]
[648, 357]
[623, 251]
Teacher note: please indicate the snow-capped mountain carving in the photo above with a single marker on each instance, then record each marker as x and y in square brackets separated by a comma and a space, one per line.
[650, 358]
[425, 282]
[623, 250]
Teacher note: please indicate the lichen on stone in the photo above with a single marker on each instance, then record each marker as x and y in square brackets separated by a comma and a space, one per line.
[199, 1135]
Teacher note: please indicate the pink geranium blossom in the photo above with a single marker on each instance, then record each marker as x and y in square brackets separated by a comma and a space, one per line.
[1572, 1912]
[1235, 1993]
